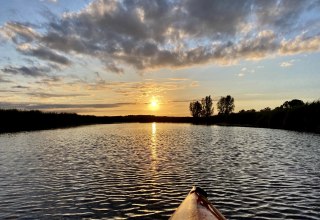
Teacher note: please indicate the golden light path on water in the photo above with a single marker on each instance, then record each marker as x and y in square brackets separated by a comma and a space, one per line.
[153, 146]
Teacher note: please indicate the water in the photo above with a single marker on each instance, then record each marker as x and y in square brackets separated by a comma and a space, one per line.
[144, 171]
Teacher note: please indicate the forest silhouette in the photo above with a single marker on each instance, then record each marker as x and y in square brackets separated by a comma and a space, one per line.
[292, 115]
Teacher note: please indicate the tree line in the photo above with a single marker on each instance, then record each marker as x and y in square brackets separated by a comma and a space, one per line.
[204, 107]
[291, 115]
[14, 120]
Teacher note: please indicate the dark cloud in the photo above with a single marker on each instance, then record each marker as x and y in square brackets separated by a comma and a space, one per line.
[182, 101]
[52, 95]
[39, 106]
[281, 15]
[20, 87]
[67, 43]
[114, 68]
[171, 33]
[214, 18]
[263, 43]
[42, 72]
[49, 80]
[46, 54]
[27, 71]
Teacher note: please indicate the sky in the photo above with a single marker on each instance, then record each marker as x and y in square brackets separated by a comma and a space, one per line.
[130, 57]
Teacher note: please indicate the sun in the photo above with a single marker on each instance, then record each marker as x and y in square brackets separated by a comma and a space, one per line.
[154, 104]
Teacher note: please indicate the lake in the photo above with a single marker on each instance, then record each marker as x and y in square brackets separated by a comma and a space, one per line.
[144, 171]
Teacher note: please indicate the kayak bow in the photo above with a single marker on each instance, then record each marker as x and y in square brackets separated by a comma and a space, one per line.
[196, 206]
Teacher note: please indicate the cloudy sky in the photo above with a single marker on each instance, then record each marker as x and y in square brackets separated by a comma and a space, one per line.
[114, 57]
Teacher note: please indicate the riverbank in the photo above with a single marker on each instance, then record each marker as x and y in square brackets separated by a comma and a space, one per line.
[19, 120]
[305, 118]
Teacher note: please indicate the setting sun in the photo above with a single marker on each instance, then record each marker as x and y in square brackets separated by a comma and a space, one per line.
[154, 104]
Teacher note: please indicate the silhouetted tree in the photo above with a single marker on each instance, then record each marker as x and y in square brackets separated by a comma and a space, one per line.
[195, 109]
[226, 105]
[207, 108]
[267, 109]
[251, 110]
[294, 103]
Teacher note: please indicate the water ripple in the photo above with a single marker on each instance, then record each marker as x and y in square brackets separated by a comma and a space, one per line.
[143, 171]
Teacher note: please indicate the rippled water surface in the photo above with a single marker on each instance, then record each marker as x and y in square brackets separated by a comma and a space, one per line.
[144, 171]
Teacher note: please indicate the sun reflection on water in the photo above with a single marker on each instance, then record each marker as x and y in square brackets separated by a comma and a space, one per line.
[153, 148]
[154, 128]
[154, 142]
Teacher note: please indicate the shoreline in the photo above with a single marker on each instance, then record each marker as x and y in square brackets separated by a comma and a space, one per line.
[13, 121]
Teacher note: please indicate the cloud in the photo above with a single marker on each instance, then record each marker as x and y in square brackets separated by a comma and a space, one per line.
[178, 79]
[245, 71]
[194, 84]
[40, 71]
[212, 18]
[286, 64]
[111, 66]
[45, 54]
[53, 95]
[299, 44]
[27, 71]
[18, 32]
[139, 91]
[20, 87]
[3, 80]
[181, 101]
[242, 72]
[190, 32]
[50, 1]
[281, 15]
[41, 106]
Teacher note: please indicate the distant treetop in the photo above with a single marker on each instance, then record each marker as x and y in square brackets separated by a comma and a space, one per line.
[226, 105]
[294, 103]
[203, 108]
